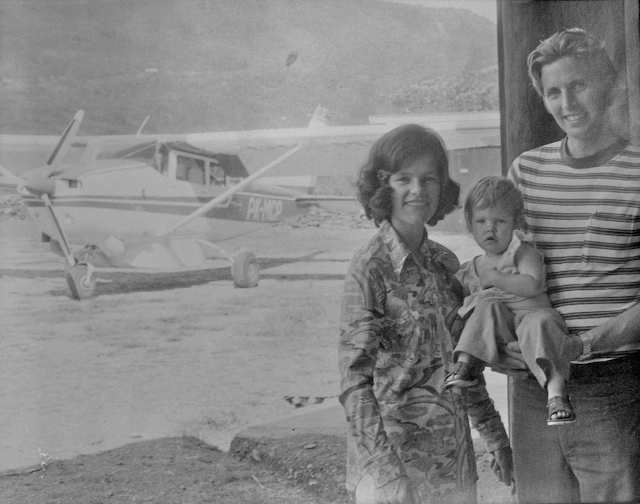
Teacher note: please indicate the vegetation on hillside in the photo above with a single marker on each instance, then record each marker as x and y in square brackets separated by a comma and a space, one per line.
[196, 65]
[474, 91]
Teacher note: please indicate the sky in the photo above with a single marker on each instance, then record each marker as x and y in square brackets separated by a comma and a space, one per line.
[485, 8]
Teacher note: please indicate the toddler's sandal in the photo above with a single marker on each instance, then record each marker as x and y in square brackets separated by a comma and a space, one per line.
[557, 404]
[461, 376]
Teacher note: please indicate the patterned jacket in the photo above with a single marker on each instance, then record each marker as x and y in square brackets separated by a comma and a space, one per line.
[399, 325]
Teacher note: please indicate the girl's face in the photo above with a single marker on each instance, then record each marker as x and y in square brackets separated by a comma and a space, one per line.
[416, 193]
[492, 228]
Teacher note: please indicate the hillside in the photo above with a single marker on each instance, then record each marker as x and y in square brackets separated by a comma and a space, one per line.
[196, 65]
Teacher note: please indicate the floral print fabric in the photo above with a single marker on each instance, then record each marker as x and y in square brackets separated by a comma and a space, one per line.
[399, 325]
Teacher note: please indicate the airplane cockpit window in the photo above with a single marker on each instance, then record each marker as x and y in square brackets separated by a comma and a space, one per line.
[216, 174]
[190, 170]
[164, 164]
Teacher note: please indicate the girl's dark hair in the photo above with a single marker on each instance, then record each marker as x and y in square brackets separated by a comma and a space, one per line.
[391, 153]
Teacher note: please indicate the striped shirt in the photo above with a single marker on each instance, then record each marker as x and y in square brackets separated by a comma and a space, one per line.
[584, 215]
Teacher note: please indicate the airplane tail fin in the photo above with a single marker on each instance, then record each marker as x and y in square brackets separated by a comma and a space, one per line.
[319, 118]
[139, 132]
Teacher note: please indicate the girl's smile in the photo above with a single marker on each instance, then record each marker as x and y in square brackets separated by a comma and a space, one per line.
[416, 193]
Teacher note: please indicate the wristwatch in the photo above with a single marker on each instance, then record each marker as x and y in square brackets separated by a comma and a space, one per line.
[586, 348]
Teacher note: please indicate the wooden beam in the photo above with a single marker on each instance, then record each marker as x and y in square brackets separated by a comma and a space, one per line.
[632, 51]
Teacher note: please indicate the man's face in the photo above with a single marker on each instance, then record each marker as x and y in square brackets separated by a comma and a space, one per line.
[576, 96]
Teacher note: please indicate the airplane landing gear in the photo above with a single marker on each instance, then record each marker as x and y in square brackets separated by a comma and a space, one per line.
[245, 270]
[81, 282]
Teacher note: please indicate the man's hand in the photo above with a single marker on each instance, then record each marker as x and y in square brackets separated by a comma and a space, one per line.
[575, 344]
[502, 465]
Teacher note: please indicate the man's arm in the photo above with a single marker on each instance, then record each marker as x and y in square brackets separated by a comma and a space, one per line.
[617, 332]
[610, 336]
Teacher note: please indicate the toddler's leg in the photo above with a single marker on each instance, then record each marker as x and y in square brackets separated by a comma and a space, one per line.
[542, 337]
[543, 342]
[560, 409]
[486, 331]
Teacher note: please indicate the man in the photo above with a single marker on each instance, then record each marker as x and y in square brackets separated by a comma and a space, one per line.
[582, 202]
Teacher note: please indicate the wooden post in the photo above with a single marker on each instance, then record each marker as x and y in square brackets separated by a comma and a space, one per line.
[632, 51]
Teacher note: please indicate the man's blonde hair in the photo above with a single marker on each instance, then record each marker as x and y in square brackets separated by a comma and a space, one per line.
[576, 43]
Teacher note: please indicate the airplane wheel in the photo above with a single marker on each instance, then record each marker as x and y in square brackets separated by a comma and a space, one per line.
[245, 270]
[80, 286]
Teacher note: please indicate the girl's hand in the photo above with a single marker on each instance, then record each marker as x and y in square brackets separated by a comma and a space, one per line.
[398, 491]
[502, 465]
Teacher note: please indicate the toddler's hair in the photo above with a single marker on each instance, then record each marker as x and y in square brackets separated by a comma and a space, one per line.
[492, 191]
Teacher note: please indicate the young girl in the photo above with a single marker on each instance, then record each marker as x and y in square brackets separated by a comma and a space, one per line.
[407, 440]
[505, 293]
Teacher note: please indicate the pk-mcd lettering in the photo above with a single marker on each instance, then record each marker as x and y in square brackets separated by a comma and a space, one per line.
[264, 209]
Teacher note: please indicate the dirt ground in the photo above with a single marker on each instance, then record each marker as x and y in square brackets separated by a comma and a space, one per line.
[134, 395]
[164, 471]
[185, 470]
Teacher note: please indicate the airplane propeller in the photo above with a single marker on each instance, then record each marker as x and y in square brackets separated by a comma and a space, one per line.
[39, 182]
[65, 140]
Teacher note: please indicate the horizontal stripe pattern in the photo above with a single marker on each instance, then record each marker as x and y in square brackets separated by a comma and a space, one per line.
[586, 221]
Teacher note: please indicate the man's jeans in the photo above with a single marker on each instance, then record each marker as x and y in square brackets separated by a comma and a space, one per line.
[595, 459]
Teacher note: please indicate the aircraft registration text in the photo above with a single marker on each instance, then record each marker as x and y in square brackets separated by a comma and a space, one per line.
[264, 209]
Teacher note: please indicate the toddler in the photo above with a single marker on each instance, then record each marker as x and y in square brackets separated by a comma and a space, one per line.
[505, 293]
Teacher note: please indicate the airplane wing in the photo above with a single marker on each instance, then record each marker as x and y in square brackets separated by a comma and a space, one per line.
[328, 149]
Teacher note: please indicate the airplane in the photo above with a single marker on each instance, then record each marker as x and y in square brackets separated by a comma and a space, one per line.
[158, 203]
[167, 201]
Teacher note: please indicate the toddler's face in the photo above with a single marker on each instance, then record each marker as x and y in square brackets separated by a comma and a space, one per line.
[492, 229]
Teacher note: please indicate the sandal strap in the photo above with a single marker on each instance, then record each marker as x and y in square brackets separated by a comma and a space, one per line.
[463, 370]
[559, 403]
